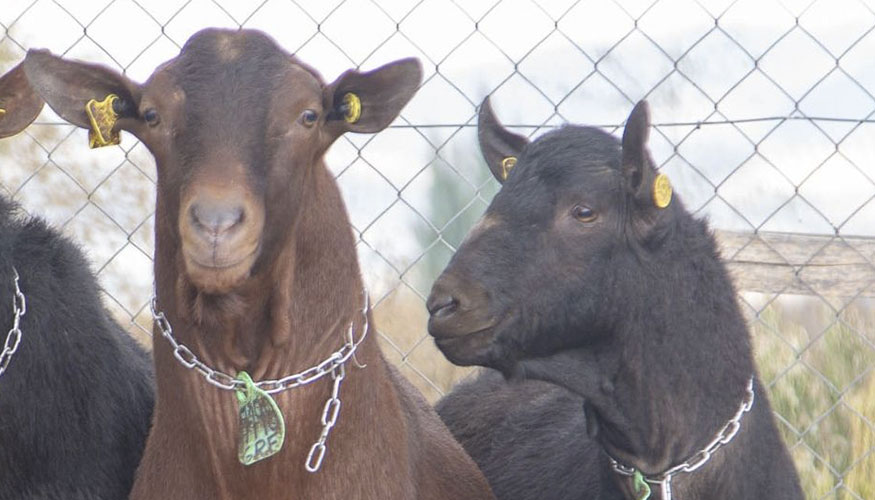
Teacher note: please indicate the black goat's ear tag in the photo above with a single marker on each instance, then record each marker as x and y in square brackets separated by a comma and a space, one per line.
[102, 117]
[506, 165]
[262, 427]
[661, 191]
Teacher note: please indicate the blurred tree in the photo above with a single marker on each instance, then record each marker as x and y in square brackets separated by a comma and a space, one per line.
[460, 192]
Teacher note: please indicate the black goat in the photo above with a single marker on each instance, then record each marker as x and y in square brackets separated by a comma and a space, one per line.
[76, 396]
[586, 274]
[529, 439]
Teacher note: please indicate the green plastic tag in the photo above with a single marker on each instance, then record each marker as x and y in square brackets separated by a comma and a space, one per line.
[262, 429]
[642, 489]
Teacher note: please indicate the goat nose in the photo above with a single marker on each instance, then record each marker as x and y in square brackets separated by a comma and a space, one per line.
[216, 218]
[441, 303]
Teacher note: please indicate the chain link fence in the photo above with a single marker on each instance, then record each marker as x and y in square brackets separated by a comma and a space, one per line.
[764, 117]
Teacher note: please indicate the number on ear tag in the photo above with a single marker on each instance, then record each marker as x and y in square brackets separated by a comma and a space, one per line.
[262, 429]
[102, 118]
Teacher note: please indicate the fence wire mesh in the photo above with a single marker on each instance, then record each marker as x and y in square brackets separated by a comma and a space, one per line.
[764, 121]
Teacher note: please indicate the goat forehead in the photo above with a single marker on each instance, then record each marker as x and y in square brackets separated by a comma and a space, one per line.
[235, 71]
[229, 45]
[569, 158]
[229, 69]
[569, 149]
[232, 81]
[589, 139]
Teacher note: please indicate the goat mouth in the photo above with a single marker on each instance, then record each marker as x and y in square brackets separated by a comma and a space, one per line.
[219, 265]
[472, 347]
[446, 329]
[214, 275]
[474, 336]
[469, 349]
[218, 259]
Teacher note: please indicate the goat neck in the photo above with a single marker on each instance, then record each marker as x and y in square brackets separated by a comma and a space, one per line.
[670, 371]
[306, 298]
[292, 312]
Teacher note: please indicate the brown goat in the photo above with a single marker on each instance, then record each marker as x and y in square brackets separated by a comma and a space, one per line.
[256, 271]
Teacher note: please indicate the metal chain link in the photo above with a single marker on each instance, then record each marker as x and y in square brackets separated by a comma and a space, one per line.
[13, 337]
[335, 364]
[271, 386]
[700, 458]
[329, 418]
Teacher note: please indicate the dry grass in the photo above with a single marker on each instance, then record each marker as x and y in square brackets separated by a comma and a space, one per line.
[819, 367]
[401, 321]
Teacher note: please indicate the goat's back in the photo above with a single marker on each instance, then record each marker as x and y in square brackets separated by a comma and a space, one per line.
[76, 400]
[529, 439]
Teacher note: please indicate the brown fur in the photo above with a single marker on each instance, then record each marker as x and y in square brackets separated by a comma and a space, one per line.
[289, 307]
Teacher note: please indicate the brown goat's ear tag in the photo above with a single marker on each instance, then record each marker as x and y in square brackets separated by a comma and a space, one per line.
[506, 165]
[262, 429]
[661, 191]
[102, 118]
[353, 106]
[2, 112]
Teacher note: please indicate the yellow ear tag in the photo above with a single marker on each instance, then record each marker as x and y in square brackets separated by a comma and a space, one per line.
[661, 191]
[507, 164]
[2, 112]
[353, 107]
[102, 118]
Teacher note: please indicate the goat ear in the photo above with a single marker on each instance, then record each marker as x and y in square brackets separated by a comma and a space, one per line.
[368, 102]
[642, 180]
[69, 86]
[19, 104]
[500, 147]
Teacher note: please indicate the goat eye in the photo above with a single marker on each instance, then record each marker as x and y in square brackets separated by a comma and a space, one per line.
[309, 117]
[583, 213]
[151, 117]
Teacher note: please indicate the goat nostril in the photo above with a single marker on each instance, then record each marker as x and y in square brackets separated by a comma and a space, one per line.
[216, 219]
[441, 304]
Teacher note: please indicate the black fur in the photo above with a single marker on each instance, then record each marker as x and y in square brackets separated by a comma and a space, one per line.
[76, 400]
[529, 439]
[633, 311]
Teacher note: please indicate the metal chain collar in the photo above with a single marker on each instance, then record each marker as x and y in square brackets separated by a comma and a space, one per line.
[13, 338]
[700, 458]
[335, 364]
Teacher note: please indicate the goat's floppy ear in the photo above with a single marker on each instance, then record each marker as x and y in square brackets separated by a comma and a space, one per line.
[68, 87]
[642, 181]
[19, 104]
[368, 102]
[500, 147]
